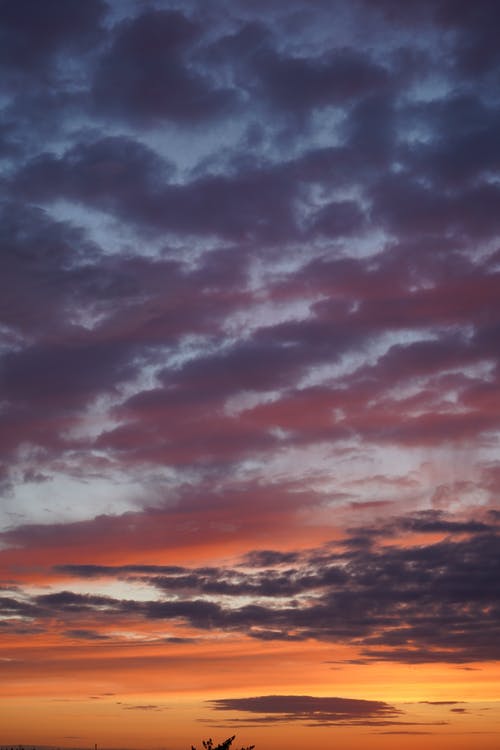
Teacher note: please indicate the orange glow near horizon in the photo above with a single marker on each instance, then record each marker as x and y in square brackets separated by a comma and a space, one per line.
[109, 671]
[149, 695]
[135, 651]
[145, 720]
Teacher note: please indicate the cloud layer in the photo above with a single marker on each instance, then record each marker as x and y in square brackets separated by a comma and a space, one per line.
[391, 599]
[249, 359]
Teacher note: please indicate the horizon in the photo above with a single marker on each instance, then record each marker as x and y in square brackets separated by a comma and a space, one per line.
[249, 374]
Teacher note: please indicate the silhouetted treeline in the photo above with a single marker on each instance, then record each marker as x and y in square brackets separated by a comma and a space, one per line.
[209, 744]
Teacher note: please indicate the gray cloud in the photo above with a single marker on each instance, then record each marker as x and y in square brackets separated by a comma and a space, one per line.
[319, 711]
[415, 604]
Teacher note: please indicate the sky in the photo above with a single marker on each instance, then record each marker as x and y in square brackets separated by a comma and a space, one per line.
[249, 343]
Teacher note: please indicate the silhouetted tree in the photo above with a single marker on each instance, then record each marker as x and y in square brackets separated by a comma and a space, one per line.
[209, 744]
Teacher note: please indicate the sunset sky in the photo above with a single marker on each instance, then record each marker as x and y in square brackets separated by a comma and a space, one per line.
[250, 365]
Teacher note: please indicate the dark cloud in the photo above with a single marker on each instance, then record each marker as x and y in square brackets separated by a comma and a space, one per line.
[40, 267]
[94, 571]
[301, 84]
[476, 51]
[463, 146]
[405, 206]
[470, 25]
[406, 731]
[11, 607]
[145, 707]
[269, 558]
[129, 180]
[415, 604]
[319, 711]
[68, 601]
[33, 34]
[86, 635]
[145, 76]
[245, 201]
[372, 132]
[339, 219]
[65, 372]
[111, 171]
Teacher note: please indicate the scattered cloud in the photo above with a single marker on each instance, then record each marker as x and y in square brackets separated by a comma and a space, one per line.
[404, 602]
[249, 332]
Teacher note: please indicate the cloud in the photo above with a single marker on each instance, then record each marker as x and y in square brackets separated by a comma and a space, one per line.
[319, 711]
[32, 36]
[145, 76]
[299, 84]
[145, 707]
[128, 179]
[408, 731]
[86, 635]
[250, 323]
[426, 603]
